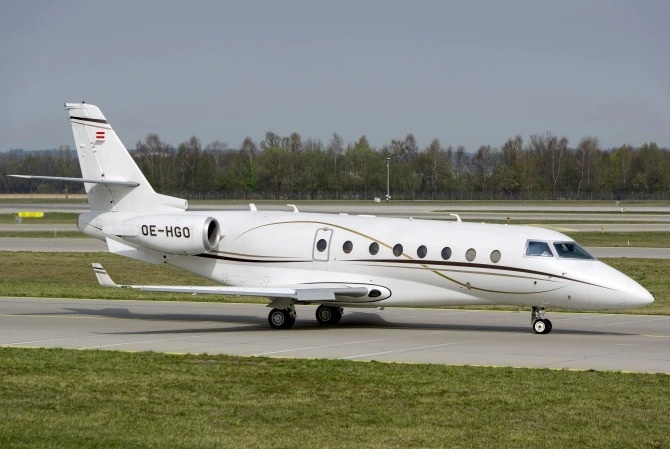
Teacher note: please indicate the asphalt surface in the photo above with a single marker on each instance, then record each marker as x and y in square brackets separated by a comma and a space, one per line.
[48, 245]
[455, 337]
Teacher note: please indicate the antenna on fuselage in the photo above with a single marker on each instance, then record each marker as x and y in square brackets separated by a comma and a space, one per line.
[458, 218]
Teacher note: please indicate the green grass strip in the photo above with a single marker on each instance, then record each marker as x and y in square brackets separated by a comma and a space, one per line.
[69, 275]
[53, 398]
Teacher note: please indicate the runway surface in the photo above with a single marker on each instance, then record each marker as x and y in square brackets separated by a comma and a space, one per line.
[461, 337]
[48, 245]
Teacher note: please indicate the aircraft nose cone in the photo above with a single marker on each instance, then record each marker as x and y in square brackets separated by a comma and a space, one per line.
[640, 296]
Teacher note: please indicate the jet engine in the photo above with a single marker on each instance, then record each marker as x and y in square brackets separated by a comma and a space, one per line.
[170, 233]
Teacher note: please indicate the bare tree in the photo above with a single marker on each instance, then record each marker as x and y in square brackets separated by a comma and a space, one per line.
[249, 149]
[335, 151]
[552, 152]
[188, 154]
[586, 151]
[459, 163]
[216, 149]
[483, 164]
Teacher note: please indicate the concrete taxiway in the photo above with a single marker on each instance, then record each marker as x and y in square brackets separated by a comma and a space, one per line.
[578, 341]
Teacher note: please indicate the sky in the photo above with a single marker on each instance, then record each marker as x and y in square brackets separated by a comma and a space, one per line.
[466, 72]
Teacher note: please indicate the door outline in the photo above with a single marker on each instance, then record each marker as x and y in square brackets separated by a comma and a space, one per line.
[325, 234]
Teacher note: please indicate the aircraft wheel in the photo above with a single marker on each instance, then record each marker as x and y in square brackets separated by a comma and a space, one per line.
[281, 319]
[542, 326]
[328, 315]
[549, 325]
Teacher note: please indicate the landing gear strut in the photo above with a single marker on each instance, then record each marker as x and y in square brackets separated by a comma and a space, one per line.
[541, 325]
[328, 315]
[282, 318]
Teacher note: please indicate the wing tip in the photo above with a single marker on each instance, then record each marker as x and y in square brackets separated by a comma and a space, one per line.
[101, 274]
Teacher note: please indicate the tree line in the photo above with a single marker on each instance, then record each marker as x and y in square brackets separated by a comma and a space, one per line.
[544, 166]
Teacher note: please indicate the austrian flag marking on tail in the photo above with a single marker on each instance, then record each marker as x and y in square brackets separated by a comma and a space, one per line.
[99, 135]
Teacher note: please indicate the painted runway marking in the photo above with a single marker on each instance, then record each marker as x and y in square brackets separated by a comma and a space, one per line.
[335, 345]
[143, 341]
[641, 320]
[416, 348]
[44, 341]
[580, 359]
[27, 315]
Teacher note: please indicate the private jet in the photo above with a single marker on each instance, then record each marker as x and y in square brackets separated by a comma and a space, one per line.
[335, 261]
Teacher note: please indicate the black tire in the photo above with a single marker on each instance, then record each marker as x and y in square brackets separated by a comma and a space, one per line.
[280, 319]
[542, 326]
[327, 315]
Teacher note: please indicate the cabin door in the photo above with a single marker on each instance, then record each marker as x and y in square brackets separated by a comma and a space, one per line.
[321, 248]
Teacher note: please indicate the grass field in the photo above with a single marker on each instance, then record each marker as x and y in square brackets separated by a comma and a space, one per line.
[53, 398]
[69, 275]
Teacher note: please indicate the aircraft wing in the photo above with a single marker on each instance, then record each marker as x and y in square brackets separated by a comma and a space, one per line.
[303, 292]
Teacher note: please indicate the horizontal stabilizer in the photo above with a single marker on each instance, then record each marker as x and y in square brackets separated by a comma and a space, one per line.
[117, 182]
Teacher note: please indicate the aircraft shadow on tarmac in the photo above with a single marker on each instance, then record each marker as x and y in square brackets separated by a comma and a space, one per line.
[351, 320]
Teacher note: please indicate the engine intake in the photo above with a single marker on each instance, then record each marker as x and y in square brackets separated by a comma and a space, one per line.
[174, 234]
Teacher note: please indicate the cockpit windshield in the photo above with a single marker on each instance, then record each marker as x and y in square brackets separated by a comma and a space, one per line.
[571, 250]
[537, 248]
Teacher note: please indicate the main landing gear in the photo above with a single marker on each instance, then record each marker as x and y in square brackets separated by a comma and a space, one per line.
[282, 318]
[541, 325]
[285, 318]
[328, 315]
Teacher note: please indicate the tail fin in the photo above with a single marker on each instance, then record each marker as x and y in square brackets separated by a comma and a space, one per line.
[113, 181]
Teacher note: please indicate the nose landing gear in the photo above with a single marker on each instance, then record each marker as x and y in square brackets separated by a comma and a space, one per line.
[541, 325]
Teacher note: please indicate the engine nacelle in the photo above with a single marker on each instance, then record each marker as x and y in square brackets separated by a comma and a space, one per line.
[171, 233]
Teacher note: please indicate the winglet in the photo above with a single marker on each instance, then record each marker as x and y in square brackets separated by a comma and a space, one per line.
[103, 277]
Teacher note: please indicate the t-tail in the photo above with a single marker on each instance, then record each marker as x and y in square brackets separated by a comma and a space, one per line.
[112, 179]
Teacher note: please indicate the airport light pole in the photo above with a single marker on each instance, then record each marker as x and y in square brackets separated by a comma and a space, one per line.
[388, 192]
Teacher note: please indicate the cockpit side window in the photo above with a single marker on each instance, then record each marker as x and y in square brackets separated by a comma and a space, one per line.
[571, 250]
[536, 248]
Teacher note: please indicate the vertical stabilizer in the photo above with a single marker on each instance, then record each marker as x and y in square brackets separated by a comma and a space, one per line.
[103, 157]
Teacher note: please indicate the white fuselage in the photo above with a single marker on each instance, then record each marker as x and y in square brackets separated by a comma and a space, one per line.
[336, 261]
[486, 263]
